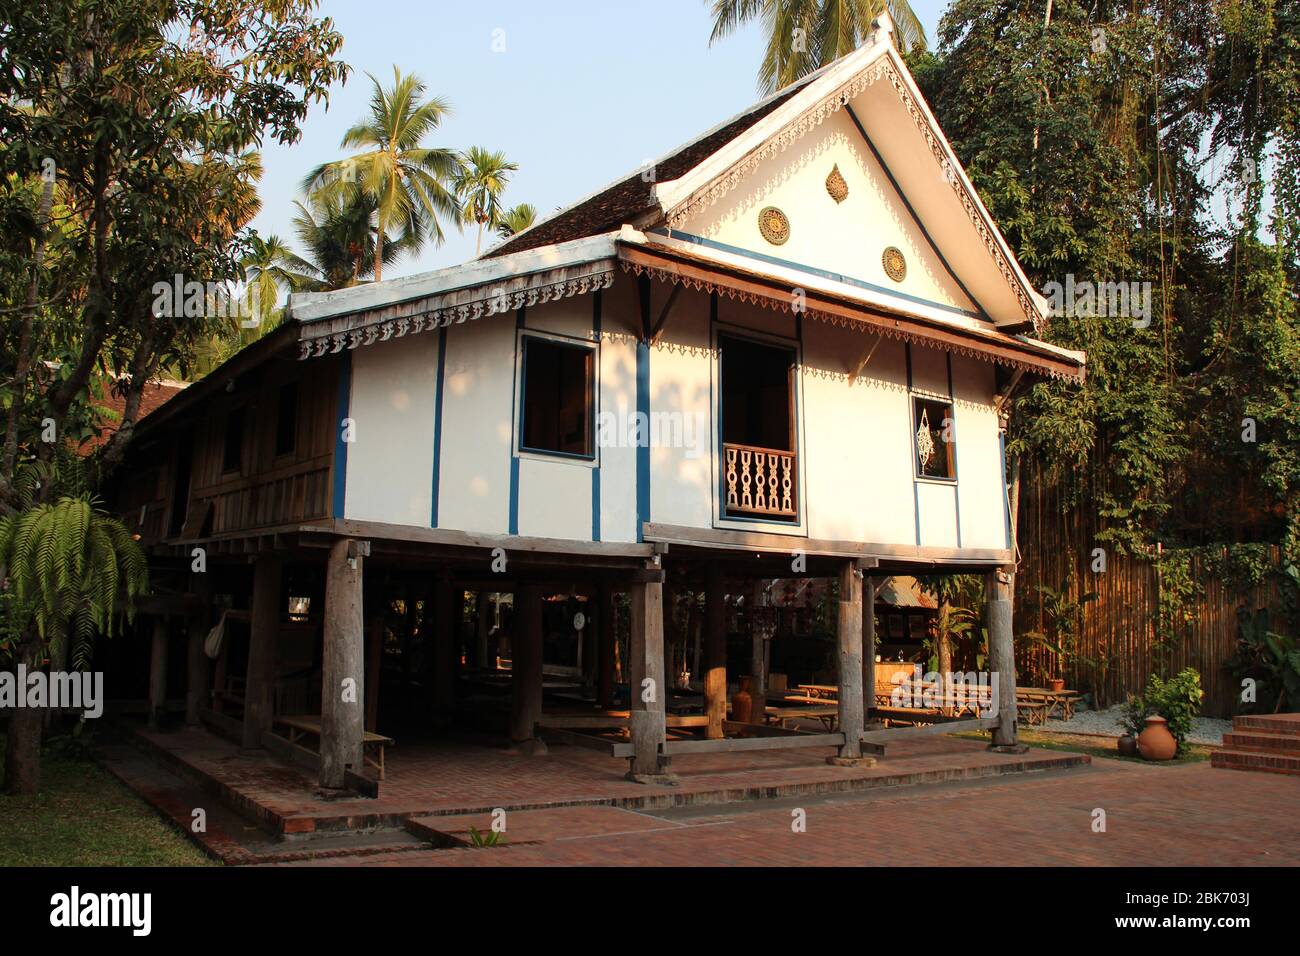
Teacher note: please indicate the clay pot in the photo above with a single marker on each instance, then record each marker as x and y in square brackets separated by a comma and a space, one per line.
[1056, 685]
[1128, 746]
[742, 701]
[1156, 742]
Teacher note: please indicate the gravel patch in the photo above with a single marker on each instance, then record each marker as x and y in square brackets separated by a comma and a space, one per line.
[1205, 730]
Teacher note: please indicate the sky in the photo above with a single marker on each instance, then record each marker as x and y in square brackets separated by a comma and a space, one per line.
[577, 92]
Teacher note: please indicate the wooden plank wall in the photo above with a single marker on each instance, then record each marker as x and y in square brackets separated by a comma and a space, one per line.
[1122, 620]
[267, 490]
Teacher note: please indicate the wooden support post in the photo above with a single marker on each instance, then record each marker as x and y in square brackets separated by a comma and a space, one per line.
[671, 635]
[263, 642]
[647, 721]
[850, 668]
[758, 632]
[868, 647]
[158, 673]
[374, 664]
[526, 671]
[343, 681]
[1002, 659]
[482, 613]
[715, 654]
[605, 639]
[588, 646]
[198, 685]
[446, 649]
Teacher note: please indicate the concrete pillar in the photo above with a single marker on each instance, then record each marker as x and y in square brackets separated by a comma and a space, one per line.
[648, 721]
[158, 673]
[343, 681]
[715, 654]
[850, 664]
[868, 646]
[1002, 661]
[263, 641]
[605, 638]
[526, 671]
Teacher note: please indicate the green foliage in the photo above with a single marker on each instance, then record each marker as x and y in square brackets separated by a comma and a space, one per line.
[1177, 700]
[491, 838]
[1270, 659]
[68, 565]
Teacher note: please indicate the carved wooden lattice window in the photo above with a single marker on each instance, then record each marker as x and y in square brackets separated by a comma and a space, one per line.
[935, 440]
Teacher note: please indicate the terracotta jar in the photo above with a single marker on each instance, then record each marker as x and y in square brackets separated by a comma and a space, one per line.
[1156, 742]
[1056, 685]
[1128, 746]
[742, 701]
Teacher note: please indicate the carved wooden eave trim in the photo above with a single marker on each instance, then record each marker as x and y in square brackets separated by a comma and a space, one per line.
[327, 337]
[998, 348]
[812, 117]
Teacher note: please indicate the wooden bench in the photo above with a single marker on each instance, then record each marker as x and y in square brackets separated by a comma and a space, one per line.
[827, 714]
[310, 727]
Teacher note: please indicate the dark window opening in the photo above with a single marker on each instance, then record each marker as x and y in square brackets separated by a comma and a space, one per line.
[557, 397]
[760, 467]
[286, 420]
[180, 489]
[757, 394]
[232, 454]
[935, 439]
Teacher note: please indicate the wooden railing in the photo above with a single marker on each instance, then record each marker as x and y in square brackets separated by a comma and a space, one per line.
[760, 481]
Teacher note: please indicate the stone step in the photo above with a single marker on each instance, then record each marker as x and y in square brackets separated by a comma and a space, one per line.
[1255, 761]
[1262, 742]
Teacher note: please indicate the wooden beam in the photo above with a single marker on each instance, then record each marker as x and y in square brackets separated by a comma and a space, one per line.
[648, 687]
[526, 670]
[738, 744]
[658, 328]
[263, 647]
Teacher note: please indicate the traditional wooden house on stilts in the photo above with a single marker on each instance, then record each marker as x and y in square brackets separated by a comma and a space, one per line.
[784, 350]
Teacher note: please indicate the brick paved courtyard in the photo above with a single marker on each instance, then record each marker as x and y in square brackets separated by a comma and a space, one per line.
[1192, 815]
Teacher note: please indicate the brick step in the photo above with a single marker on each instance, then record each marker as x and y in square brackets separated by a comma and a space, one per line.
[1268, 723]
[1255, 761]
[1263, 742]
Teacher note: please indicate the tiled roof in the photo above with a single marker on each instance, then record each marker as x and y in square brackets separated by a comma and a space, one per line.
[154, 396]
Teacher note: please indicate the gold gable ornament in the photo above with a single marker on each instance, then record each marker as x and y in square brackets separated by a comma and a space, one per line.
[894, 263]
[836, 186]
[774, 225]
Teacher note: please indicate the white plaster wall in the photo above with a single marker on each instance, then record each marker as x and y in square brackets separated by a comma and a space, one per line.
[478, 415]
[620, 318]
[980, 468]
[390, 462]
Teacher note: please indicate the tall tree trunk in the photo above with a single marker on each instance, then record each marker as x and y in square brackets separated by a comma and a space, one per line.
[379, 255]
[23, 737]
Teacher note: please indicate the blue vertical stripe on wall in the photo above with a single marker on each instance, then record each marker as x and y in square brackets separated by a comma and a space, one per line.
[595, 471]
[643, 409]
[437, 423]
[340, 446]
[956, 475]
[514, 458]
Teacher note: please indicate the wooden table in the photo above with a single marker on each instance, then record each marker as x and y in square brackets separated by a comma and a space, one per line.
[819, 691]
[1050, 700]
[310, 726]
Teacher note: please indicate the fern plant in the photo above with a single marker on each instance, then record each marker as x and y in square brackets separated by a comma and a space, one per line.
[67, 567]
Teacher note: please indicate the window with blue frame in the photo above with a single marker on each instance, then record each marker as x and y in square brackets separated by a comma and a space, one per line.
[558, 390]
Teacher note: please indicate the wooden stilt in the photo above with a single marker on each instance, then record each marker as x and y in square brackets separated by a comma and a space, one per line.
[605, 638]
[1002, 660]
[850, 667]
[198, 684]
[758, 633]
[715, 654]
[868, 647]
[647, 721]
[374, 661]
[446, 649]
[526, 671]
[158, 673]
[263, 642]
[343, 681]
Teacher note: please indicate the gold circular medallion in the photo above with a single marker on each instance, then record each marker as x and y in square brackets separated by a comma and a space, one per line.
[774, 225]
[894, 263]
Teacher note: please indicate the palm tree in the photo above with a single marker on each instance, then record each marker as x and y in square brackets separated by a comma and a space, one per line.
[68, 565]
[270, 267]
[828, 30]
[407, 183]
[516, 219]
[479, 186]
[341, 241]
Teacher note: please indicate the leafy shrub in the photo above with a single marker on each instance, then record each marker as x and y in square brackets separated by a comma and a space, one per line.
[1177, 700]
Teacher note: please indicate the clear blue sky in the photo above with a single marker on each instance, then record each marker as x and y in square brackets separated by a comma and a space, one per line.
[585, 91]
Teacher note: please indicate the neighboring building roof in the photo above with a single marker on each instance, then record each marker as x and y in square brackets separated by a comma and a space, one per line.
[153, 397]
[903, 590]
